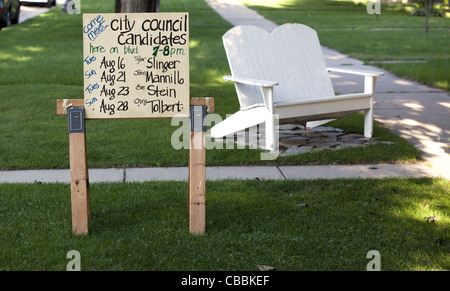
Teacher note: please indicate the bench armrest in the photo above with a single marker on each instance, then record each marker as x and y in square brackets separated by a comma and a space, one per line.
[356, 72]
[248, 81]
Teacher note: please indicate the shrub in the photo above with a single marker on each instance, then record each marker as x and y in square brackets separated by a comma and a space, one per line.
[434, 12]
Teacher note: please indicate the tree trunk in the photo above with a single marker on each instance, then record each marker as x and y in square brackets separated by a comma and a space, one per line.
[130, 6]
[154, 5]
[427, 13]
[118, 6]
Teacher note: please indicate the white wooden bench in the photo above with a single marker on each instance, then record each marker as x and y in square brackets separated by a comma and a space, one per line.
[284, 73]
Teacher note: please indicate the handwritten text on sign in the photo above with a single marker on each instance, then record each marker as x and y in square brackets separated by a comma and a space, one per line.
[136, 65]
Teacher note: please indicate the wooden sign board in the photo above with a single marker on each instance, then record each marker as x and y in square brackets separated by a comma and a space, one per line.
[136, 65]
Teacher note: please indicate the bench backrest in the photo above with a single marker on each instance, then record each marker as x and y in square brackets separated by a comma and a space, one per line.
[290, 55]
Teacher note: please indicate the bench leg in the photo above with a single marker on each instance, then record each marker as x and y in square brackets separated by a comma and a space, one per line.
[369, 87]
[270, 133]
[270, 124]
[368, 123]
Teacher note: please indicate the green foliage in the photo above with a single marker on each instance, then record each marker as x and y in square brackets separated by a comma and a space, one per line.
[433, 11]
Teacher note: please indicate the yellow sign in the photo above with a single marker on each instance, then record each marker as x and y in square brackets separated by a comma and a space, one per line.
[136, 65]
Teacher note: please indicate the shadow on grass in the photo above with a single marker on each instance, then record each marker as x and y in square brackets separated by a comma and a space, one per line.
[291, 225]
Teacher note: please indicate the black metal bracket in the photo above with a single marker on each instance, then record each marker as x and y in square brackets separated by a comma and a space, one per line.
[76, 119]
[198, 114]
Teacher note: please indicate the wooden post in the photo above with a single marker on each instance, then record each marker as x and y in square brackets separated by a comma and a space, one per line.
[79, 179]
[197, 172]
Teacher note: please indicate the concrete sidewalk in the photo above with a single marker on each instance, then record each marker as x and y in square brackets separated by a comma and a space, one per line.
[413, 111]
[28, 11]
[222, 173]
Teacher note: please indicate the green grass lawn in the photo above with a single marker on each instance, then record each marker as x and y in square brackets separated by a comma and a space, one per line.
[289, 225]
[394, 35]
[41, 61]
